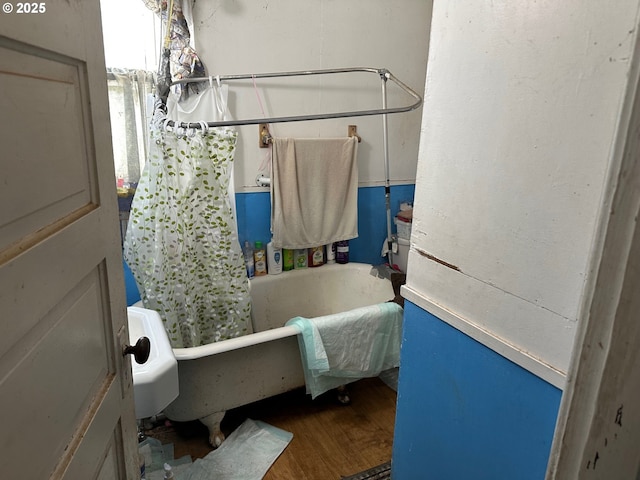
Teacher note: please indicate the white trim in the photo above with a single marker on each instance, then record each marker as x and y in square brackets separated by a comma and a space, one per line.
[532, 364]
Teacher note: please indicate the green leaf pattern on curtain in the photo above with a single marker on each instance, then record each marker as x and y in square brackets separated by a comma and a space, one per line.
[181, 242]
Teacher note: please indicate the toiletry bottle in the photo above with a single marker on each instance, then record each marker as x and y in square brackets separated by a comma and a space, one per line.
[287, 259]
[342, 251]
[260, 259]
[316, 256]
[331, 253]
[141, 462]
[300, 258]
[248, 259]
[168, 472]
[274, 259]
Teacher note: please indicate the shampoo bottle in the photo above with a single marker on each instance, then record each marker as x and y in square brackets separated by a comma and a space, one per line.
[287, 259]
[342, 251]
[316, 256]
[248, 259]
[274, 259]
[300, 258]
[260, 259]
[331, 252]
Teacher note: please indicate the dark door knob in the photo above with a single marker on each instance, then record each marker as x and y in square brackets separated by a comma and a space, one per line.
[140, 350]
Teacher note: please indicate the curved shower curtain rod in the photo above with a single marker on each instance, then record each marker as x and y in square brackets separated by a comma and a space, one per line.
[382, 72]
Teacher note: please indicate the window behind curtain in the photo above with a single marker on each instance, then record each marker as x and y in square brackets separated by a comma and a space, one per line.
[130, 98]
[131, 35]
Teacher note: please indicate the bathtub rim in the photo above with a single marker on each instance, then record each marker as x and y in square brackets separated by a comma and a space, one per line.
[309, 271]
[201, 351]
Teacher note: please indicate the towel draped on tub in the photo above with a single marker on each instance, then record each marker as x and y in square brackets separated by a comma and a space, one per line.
[344, 347]
[314, 191]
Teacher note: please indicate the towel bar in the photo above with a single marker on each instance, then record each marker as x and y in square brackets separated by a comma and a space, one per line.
[265, 139]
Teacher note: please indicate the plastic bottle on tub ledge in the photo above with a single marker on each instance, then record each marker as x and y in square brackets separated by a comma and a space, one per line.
[274, 259]
[316, 256]
[331, 253]
[287, 259]
[260, 259]
[248, 259]
[342, 251]
[300, 258]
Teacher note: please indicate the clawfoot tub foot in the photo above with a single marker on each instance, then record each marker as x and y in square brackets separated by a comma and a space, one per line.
[343, 395]
[212, 422]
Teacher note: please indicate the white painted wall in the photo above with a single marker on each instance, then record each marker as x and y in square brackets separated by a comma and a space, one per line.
[249, 36]
[521, 109]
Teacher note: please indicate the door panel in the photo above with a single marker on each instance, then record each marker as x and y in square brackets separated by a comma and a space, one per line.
[35, 282]
[53, 85]
[65, 389]
[71, 352]
[96, 455]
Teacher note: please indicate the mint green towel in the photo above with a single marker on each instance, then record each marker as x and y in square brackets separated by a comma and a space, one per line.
[247, 454]
[343, 347]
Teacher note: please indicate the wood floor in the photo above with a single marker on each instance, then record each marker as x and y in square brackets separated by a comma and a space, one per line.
[330, 441]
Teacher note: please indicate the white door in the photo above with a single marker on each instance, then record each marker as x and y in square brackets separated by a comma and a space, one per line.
[66, 403]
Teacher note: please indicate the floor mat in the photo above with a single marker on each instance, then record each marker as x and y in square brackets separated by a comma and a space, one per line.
[381, 472]
[246, 454]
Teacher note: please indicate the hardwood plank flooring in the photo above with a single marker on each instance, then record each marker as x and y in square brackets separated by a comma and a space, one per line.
[329, 440]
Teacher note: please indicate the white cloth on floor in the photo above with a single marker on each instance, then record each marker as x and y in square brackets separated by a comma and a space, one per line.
[246, 454]
[314, 191]
[344, 347]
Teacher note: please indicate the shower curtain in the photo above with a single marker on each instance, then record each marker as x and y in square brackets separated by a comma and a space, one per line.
[181, 242]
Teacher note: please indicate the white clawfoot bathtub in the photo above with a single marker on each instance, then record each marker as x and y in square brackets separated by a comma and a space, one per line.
[228, 374]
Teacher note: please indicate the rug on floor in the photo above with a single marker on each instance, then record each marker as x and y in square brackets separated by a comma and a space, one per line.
[246, 454]
[381, 472]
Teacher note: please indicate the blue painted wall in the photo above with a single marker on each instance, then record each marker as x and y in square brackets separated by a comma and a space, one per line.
[465, 412]
[254, 223]
[254, 219]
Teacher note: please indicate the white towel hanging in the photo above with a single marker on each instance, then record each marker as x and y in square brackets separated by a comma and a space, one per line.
[314, 191]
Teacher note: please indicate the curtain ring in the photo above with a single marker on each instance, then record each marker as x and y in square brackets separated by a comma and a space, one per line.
[218, 80]
[204, 127]
[165, 124]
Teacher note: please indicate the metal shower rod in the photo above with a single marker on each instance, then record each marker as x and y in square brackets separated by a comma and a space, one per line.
[384, 74]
